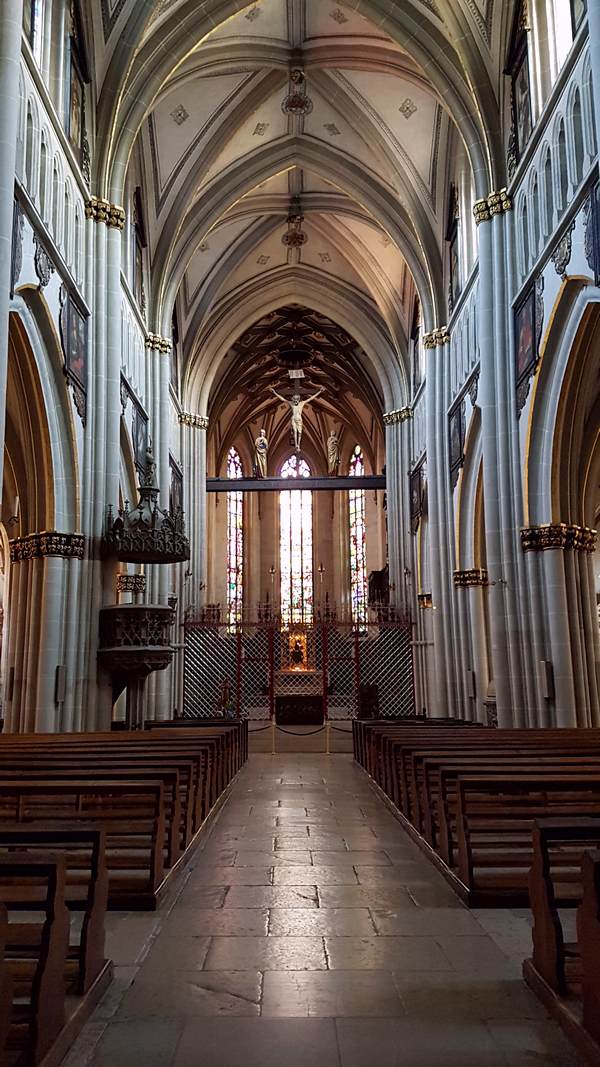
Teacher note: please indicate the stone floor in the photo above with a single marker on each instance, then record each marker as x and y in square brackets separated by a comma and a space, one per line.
[311, 931]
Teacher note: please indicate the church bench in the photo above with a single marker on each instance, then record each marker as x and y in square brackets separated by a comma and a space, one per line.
[558, 847]
[51, 772]
[238, 726]
[566, 977]
[86, 887]
[35, 962]
[130, 812]
[495, 817]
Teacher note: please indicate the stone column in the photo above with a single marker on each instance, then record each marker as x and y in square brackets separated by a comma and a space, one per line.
[491, 397]
[397, 459]
[194, 481]
[570, 614]
[443, 698]
[470, 586]
[11, 18]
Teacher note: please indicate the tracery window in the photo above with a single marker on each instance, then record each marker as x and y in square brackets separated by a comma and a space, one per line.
[235, 543]
[358, 542]
[296, 546]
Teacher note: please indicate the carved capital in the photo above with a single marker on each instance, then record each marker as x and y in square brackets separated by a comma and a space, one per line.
[390, 418]
[131, 583]
[481, 211]
[475, 576]
[558, 535]
[47, 543]
[499, 202]
[198, 422]
[436, 338]
[99, 210]
[157, 343]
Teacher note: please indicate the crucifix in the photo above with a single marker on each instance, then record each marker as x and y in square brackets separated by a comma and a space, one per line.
[296, 406]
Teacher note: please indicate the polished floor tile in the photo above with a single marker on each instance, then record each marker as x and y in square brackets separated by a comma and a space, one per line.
[310, 931]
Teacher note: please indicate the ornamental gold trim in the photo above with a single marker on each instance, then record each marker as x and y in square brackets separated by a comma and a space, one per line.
[198, 422]
[99, 210]
[498, 202]
[158, 344]
[558, 535]
[436, 338]
[131, 583]
[391, 418]
[47, 543]
[474, 576]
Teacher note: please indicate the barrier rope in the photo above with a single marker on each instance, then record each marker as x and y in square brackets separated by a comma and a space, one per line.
[294, 734]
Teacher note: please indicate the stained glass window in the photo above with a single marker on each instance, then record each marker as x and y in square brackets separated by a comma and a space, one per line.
[358, 555]
[296, 546]
[235, 544]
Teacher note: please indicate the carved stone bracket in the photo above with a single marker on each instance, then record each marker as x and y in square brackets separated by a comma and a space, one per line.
[558, 535]
[475, 576]
[100, 210]
[47, 543]
[436, 338]
[156, 343]
[131, 583]
[561, 256]
[390, 418]
[44, 267]
[197, 422]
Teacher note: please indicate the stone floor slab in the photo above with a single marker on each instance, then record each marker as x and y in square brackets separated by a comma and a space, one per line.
[259, 1043]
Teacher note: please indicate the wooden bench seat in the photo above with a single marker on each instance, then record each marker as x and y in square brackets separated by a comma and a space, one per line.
[86, 888]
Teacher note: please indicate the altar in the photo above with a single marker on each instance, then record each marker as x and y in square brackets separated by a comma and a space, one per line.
[299, 697]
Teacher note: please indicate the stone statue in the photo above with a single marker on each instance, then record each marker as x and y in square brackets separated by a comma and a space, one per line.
[261, 449]
[333, 453]
[297, 406]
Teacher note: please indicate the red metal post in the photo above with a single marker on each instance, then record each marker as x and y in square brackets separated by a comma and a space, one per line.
[240, 649]
[357, 667]
[271, 667]
[325, 666]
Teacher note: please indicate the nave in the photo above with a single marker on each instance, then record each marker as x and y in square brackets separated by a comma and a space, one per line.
[311, 930]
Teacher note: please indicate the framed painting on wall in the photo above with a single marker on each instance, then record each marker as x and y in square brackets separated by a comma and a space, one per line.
[416, 497]
[521, 100]
[457, 441]
[525, 337]
[139, 437]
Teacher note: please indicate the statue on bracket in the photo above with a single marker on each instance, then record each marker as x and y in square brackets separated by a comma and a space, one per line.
[333, 453]
[297, 406]
[261, 450]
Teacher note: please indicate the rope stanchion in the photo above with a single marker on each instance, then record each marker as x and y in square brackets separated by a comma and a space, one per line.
[302, 734]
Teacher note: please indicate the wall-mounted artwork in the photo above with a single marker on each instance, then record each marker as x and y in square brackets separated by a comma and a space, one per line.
[525, 347]
[416, 497]
[457, 441]
[139, 436]
[74, 337]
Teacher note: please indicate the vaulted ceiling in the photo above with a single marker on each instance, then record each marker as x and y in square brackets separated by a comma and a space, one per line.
[296, 152]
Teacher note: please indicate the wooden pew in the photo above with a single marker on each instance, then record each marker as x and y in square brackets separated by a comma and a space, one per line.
[494, 824]
[86, 888]
[36, 964]
[5, 986]
[130, 812]
[588, 929]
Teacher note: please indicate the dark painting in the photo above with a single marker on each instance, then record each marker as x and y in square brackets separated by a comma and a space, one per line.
[522, 103]
[457, 438]
[416, 497]
[176, 493]
[525, 344]
[139, 434]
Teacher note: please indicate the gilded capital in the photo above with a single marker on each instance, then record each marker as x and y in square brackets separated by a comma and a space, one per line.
[499, 202]
[99, 210]
[481, 211]
[157, 343]
[474, 576]
[558, 535]
[390, 418]
[198, 422]
[47, 543]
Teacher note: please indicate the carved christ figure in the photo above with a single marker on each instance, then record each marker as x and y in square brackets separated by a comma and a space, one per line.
[296, 406]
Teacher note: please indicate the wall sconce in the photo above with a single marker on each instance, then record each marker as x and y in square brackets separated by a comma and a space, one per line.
[272, 573]
[321, 570]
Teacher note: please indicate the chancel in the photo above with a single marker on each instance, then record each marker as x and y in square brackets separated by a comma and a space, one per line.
[299, 564]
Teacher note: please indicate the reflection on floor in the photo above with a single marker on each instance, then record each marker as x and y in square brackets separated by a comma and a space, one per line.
[311, 931]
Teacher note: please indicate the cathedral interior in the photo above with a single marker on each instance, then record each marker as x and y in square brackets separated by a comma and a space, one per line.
[299, 564]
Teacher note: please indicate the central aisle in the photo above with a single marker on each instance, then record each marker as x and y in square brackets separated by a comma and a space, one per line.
[311, 932]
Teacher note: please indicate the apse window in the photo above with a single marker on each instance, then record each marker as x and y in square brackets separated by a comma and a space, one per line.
[296, 546]
[358, 544]
[235, 544]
